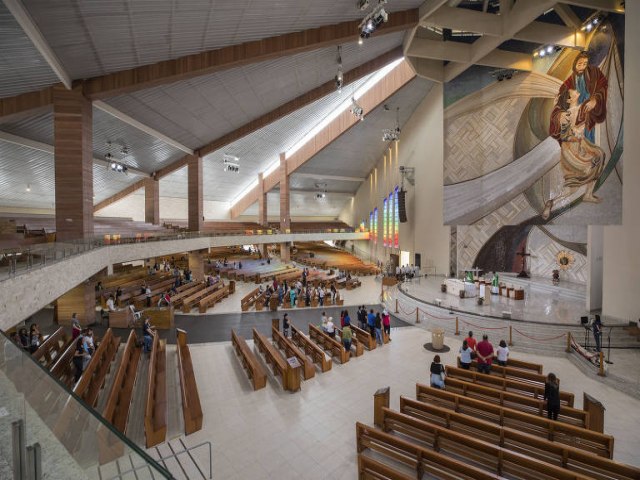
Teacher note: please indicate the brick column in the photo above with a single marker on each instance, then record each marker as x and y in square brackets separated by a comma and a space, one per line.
[73, 142]
[285, 220]
[196, 265]
[194, 166]
[263, 218]
[80, 300]
[152, 201]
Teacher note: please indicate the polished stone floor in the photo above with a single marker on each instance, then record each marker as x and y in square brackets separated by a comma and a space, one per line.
[310, 434]
[543, 302]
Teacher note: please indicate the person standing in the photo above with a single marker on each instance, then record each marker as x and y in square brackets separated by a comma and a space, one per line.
[331, 328]
[34, 338]
[147, 294]
[76, 329]
[147, 335]
[347, 335]
[552, 396]
[484, 350]
[285, 325]
[471, 341]
[465, 355]
[378, 329]
[597, 332]
[437, 373]
[371, 323]
[502, 353]
[78, 358]
[88, 346]
[386, 323]
[347, 319]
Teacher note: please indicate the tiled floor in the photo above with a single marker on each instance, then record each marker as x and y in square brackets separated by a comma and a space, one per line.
[311, 434]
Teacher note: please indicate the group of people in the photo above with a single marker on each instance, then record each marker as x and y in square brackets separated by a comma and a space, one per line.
[375, 323]
[28, 341]
[293, 291]
[405, 272]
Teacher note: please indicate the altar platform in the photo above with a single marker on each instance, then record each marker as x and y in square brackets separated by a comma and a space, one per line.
[543, 302]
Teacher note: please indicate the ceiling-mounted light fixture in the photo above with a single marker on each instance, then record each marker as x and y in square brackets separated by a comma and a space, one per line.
[339, 78]
[231, 163]
[592, 22]
[546, 50]
[356, 109]
[373, 20]
[392, 134]
[28, 187]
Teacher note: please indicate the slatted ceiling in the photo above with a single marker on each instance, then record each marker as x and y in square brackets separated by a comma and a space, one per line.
[196, 111]
[107, 182]
[356, 152]
[147, 153]
[21, 166]
[305, 204]
[306, 183]
[22, 68]
[38, 127]
[176, 185]
[93, 38]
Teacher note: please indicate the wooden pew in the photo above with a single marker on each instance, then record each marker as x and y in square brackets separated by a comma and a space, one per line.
[158, 288]
[356, 346]
[311, 349]
[93, 377]
[193, 287]
[364, 337]
[565, 456]
[191, 408]
[52, 348]
[116, 410]
[499, 383]
[516, 401]
[290, 350]
[421, 460]
[192, 300]
[215, 297]
[372, 469]
[248, 300]
[155, 411]
[588, 440]
[63, 368]
[280, 367]
[329, 344]
[249, 361]
[513, 373]
[490, 457]
[523, 365]
[162, 318]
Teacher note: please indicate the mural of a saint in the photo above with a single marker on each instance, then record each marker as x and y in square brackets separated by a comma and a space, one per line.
[581, 104]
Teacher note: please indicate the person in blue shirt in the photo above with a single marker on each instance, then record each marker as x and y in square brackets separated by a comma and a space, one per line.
[371, 322]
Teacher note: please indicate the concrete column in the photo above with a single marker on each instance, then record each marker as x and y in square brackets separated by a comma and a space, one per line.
[196, 265]
[263, 218]
[285, 217]
[194, 166]
[73, 142]
[152, 201]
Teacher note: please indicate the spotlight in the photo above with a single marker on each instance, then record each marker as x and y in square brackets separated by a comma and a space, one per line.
[356, 109]
[320, 196]
[549, 49]
[114, 165]
[362, 4]
[373, 20]
[543, 53]
[360, 41]
[339, 78]
[232, 168]
[28, 187]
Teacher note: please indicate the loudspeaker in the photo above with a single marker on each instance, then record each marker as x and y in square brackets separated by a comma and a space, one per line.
[402, 211]
[584, 320]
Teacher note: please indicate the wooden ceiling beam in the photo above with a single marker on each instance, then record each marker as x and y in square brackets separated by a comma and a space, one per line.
[30, 103]
[170, 71]
[120, 195]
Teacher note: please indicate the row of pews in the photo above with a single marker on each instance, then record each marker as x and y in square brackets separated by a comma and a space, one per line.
[323, 256]
[114, 398]
[485, 426]
[311, 352]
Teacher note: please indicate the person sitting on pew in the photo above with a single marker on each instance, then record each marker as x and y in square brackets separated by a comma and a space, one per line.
[484, 351]
[165, 299]
[148, 332]
[347, 335]
[465, 355]
[437, 373]
[88, 347]
[502, 353]
[552, 396]
[34, 337]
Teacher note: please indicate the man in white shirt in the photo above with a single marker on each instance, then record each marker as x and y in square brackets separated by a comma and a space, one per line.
[111, 306]
[331, 329]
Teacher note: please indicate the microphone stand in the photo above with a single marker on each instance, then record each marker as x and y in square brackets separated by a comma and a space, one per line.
[608, 360]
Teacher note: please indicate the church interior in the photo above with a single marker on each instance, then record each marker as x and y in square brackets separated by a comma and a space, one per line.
[375, 239]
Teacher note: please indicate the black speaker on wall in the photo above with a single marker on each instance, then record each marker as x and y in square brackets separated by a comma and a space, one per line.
[402, 209]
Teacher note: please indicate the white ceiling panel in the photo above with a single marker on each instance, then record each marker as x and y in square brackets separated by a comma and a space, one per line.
[93, 38]
[197, 111]
[305, 204]
[22, 68]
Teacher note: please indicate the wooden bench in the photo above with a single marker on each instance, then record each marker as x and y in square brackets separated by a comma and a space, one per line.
[311, 349]
[290, 350]
[516, 401]
[162, 318]
[63, 368]
[279, 366]
[249, 361]
[513, 373]
[193, 287]
[93, 377]
[191, 407]
[364, 337]
[155, 410]
[192, 300]
[157, 289]
[420, 460]
[213, 298]
[522, 365]
[52, 348]
[328, 343]
[587, 440]
[372, 469]
[116, 410]
[473, 451]
[248, 300]
[356, 346]
[500, 383]
[565, 456]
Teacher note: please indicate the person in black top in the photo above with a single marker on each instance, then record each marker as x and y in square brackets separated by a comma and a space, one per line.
[597, 332]
[78, 357]
[362, 317]
[437, 373]
[285, 325]
[552, 396]
[147, 335]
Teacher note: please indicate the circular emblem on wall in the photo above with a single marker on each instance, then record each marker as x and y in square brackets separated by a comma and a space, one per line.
[564, 260]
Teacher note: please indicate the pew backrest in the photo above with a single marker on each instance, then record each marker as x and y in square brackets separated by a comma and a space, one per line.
[256, 373]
